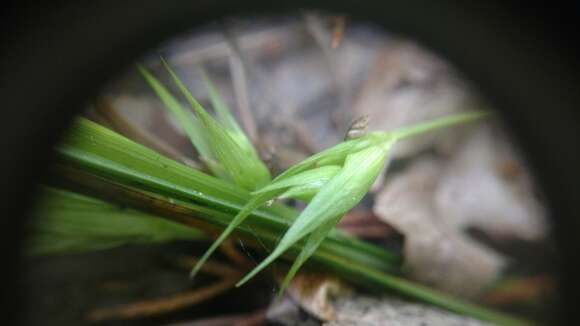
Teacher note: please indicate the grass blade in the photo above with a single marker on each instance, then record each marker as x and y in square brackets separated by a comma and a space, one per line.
[241, 162]
[238, 219]
[226, 118]
[96, 149]
[439, 123]
[70, 222]
[221, 109]
[262, 196]
[189, 122]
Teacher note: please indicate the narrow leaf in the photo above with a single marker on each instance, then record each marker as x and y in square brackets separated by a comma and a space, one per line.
[312, 243]
[220, 107]
[69, 222]
[226, 117]
[245, 168]
[189, 122]
[254, 203]
[334, 155]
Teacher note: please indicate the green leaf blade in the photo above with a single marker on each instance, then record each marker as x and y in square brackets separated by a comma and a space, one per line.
[68, 222]
[189, 122]
[439, 123]
[252, 204]
[243, 165]
[317, 175]
[221, 108]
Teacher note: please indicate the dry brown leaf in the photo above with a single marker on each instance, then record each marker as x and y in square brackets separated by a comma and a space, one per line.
[434, 252]
[488, 186]
[315, 292]
[407, 85]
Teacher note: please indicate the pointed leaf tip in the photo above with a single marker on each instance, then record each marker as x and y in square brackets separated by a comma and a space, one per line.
[228, 147]
[335, 198]
[312, 243]
[253, 204]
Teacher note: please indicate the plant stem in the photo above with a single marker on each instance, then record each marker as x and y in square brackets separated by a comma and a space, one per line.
[439, 123]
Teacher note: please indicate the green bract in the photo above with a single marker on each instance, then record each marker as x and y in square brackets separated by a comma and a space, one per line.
[334, 181]
[104, 162]
[222, 145]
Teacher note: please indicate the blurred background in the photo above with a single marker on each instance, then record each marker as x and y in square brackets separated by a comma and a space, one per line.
[460, 205]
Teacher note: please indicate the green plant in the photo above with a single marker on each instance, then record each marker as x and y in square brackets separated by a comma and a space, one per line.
[68, 222]
[334, 180]
[100, 161]
[222, 145]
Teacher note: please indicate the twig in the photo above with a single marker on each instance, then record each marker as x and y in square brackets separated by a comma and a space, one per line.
[239, 79]
[303, 138]
[163, 305]
[519, 290]
[219, 50]
[338, 31]
[322, 38]
[211, 267]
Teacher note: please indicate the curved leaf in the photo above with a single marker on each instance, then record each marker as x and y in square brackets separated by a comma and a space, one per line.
[339, 195]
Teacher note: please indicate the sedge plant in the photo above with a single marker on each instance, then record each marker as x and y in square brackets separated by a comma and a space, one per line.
[332, 181]
[103, 162]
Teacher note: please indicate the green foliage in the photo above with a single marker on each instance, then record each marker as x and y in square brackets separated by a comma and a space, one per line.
[222, 144]
[302, 185]
[69, 222]
[332, 181]
[312, 243]
[341, 193]
[99, 159]
[118, 161]
[189, 122]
